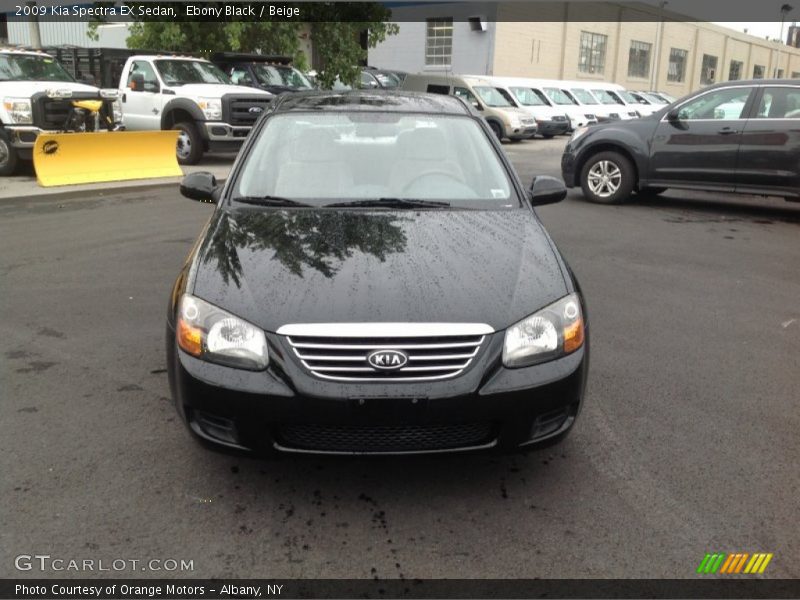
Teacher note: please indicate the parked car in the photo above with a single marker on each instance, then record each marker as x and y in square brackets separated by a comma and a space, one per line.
[741, 136]
[550, 121]
[587, 101]
[403, 299]
[578, 117]
[505, 119]
[193, 96]
[274, 74]
[388, 79]
[618, 108]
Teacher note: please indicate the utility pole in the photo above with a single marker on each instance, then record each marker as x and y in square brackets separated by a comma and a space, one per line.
[33, 27]
[657, 54]
[784, 10]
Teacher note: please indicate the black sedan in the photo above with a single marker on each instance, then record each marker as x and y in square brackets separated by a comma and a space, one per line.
[374, 280]
[737, 136]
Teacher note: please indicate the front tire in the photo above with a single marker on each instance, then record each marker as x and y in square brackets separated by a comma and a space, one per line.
[189, 148]
[498, 131]
[607, 178]
[9, 159]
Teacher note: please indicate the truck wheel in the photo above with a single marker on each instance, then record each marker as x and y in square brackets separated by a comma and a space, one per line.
[189, 148]
[9, 160]
[607, 178]
[498, 131]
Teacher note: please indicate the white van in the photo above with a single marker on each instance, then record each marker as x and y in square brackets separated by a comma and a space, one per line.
[611, 94]
[578, 115]
[505, 119]
[550, 121]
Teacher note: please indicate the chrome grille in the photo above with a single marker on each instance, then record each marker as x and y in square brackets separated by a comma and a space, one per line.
[339, 351]
[559, 118]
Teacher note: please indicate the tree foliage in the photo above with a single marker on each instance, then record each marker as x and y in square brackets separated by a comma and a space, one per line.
[337, 30]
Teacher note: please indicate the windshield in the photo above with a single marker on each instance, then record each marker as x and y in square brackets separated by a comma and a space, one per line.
[558, 96]
[388, 80]
[28, 67]
[630, 98]
[181, 72]
[528, 97]
[335, 158]
[281, 75]
[584, 96]
[490, 96]
[605, 97]
[654, 99]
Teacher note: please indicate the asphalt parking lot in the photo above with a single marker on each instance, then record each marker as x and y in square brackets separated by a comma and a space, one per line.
[688, 442]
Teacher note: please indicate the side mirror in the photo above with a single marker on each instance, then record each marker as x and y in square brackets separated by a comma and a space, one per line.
[152, 86]
[547, 190]
[201, 186]
[477, 105]
[674, 115]
[137, 82]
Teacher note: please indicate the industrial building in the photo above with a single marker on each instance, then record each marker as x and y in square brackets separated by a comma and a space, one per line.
[631, 46]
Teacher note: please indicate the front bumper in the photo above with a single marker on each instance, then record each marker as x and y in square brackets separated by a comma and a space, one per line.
[222, 136]
[22, 136]
[523, 132]
[568, 171]
[552, 127]
[286, 409]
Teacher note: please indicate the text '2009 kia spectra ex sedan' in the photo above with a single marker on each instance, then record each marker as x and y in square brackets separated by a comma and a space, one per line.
[374, 280]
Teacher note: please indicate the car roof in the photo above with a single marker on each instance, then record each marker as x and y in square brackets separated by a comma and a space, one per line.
[753, 82]
[372, 100]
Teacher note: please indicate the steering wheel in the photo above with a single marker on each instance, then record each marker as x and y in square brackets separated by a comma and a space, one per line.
[432, 173]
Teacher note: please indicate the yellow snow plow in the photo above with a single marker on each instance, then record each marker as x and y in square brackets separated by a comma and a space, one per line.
[95, 156]
[72, 158]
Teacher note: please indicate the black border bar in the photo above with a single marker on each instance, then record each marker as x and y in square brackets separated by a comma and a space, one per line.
[168, 589]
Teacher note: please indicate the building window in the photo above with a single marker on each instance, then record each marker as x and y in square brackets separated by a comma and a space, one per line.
[758, 72]
[593, 53]
[795, 74]
[779, 74]
[439, 42]
[735, 72]
[708, 72]
[639, 59]
[677, 65]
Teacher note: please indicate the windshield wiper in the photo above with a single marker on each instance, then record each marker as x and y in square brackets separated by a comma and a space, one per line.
[393, 203]
[269, 201]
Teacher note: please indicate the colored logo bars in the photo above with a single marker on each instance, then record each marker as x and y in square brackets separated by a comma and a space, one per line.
[735, 563]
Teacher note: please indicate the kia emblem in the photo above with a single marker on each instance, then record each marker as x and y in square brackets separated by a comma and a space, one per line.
[387, 360]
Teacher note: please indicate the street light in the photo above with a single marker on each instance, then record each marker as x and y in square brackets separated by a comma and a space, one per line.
[785, 9]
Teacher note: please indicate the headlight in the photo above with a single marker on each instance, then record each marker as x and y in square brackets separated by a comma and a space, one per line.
[117, 106]
[578, 132]
[554, 331]
[215, 335]
[513, 121]
[211, 107]
[19, 110]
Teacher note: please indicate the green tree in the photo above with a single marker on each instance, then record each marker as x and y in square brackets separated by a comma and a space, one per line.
[337, 31]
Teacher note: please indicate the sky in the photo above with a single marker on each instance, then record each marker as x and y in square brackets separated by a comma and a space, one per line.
[762, 30]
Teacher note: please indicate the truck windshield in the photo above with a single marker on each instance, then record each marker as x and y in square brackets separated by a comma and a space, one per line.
[606, 97]
[374, 157]
[557, 96]
[29, 67]
[491, 96]
[528, 97]
[584, 96]
[181, 72]
[282, 75]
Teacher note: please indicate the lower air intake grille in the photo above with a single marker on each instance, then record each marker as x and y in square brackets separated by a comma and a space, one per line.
[384, 438]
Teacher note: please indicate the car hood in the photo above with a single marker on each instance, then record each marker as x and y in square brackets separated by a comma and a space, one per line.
[26, 89]
[278, 267]
[215, 90]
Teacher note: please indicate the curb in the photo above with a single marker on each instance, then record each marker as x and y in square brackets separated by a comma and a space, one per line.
[65, 193]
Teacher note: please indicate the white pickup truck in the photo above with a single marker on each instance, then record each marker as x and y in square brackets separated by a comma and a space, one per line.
[37, 96]
[193, 96]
